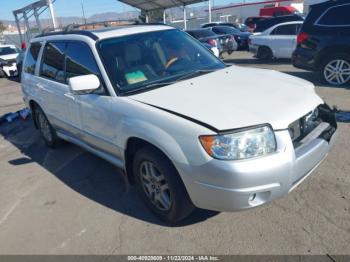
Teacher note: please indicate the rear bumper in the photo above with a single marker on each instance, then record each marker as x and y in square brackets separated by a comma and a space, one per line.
[304, 59]
[243, 44]
[253, 49]
[238, 185]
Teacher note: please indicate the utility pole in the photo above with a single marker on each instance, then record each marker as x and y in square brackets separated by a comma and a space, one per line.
[83, 11]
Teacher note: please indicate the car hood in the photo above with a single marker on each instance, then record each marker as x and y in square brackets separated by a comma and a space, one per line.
[237, 97]
[8, 57]
[245, 34]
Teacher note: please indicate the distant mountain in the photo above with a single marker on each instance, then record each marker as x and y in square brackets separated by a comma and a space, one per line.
[63, 21]
[113, 16]
[173, 14]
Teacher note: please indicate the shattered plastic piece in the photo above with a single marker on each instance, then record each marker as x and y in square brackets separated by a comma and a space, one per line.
[24, 113]
[343, 116]
[12, 116]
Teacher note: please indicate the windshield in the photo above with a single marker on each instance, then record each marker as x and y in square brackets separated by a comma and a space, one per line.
[7, 50]
[202, 33]
[137, 61]
[227, 30]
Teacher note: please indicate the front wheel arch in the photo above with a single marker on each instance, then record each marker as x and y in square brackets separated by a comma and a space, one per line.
[133, 145]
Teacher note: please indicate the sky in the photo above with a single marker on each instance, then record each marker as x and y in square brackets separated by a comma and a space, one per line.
[73, 7]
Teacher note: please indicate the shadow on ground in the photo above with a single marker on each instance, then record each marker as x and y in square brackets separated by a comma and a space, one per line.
[85, 173]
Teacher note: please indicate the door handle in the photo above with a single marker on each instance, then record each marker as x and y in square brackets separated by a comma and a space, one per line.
[70, 96]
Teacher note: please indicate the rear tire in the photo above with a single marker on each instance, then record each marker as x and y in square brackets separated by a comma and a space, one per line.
[335, 69]
[2, 73]
[47, 131]
[264, 53]
[160, 186]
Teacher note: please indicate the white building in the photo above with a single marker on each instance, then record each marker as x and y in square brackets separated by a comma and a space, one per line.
[242, 11]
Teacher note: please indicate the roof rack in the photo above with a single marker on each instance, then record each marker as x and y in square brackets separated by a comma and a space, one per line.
[65, 32]
[85, 29]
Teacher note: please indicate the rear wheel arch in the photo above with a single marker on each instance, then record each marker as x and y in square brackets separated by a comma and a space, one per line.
[265, 48]
[329, 52]
[327, 70]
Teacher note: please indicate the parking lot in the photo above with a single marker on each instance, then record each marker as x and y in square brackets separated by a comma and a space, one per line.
[68, 201]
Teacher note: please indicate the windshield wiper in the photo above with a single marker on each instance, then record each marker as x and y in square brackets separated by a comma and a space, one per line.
[166, 83]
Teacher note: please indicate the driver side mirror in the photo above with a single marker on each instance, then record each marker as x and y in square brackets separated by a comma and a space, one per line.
[84, 83]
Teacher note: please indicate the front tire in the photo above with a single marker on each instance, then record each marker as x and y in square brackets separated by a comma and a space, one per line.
[47, 131]
[2, 73]
[335, 70]
[160, 186]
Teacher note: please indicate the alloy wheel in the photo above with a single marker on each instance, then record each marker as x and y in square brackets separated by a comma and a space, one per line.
[337, 72]
[155, 186]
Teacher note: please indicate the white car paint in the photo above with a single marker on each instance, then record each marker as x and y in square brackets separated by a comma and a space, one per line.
[282, 46]
[237, 99]
[172, 119]
[215, 51]
[11, 57]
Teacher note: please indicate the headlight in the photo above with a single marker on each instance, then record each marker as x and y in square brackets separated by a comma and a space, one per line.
[248, 143]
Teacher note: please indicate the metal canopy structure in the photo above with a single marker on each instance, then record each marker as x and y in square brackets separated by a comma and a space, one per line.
[34, 9]
[152, 5]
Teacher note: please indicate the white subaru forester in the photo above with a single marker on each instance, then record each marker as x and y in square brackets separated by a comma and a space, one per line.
[188, 130]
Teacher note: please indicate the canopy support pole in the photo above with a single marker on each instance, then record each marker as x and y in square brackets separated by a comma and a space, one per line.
[19, 29]
[28, 33]
[185, 17]
[52, 12]
[209, 11]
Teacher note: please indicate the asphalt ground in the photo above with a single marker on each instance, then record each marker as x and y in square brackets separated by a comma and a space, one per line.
[68, 201]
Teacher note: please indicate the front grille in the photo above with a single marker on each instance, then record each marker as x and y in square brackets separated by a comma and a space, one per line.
[11, 61]
[302, 127]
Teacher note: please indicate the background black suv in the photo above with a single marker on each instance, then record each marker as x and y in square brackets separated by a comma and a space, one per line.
[324, 42]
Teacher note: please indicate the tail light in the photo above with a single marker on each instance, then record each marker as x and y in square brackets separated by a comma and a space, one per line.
[302, 37]
[212, 42]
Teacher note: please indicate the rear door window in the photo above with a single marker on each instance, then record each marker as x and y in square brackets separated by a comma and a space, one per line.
[336, 16]
[285, 30]
[53, 62]
[31, 58]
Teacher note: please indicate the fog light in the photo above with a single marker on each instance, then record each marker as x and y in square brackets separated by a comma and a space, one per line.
[252, 197]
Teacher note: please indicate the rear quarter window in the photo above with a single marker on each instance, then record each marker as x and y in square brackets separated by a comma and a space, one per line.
[285, 30]
[31, 58]
[336, 16]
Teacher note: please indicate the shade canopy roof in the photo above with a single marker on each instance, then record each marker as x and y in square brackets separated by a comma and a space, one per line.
[150, 5]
